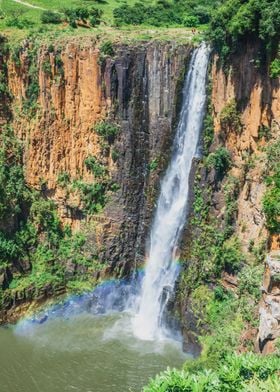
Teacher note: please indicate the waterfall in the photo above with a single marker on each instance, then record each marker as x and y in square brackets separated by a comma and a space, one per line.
[170, 215]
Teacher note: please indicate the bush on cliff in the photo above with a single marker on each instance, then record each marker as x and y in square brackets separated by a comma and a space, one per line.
[35, 248]
[271, 199]
[220, 160]
[275, 68]
[107, 130]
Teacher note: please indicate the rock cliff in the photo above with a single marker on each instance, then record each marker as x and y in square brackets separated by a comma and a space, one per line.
[241, 127]
[82, 113]
[64, 99]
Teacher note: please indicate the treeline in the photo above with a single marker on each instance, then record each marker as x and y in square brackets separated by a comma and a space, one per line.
[235, 20]
[165, 13]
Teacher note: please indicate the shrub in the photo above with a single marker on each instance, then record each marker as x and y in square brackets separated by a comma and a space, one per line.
[275, 68]
[220, 160]
[230, 257]
[243, 372]
[208, 132]
[63, 179]
[106, 49]
[94, 166]
[13, 191]
[50, 17]
[44, 216]
[95, 16]
[16, 19]
[153, 165]
[230, 117]
[46, 67]
[271, 208]
[107, 130]
[264, 132]
[271, 199]
[83, 14]
[250, 279]
[115, 155]
[93, 196]
[190, 21]
[33, 88]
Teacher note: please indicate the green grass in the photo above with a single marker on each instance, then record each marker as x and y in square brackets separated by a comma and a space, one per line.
[105, 31]
[32, 14]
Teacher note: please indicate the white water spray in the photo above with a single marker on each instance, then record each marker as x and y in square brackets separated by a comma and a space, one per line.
[170, 216]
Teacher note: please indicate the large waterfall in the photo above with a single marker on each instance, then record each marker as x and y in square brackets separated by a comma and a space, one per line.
[170, 215]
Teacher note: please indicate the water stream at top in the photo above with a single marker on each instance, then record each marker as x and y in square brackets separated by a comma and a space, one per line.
[170, 216]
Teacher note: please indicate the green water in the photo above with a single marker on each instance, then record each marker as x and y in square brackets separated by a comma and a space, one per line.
[86, 354]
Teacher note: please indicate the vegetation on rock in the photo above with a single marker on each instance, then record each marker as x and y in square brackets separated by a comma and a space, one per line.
[236, 373]
[37, 254]
[271, 200]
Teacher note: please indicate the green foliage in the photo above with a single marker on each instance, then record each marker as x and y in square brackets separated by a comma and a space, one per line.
[107, 49]
[107, 130]
[95, 166]
[271, 208]
[95, 17]
[93, 196]
[46, 67]
[83, 14]
[236, 373]
[271, 199]
[13, 192]
[208, 122]
[44, 217]
[220, 316]
[63, 179]
[250, 278]
[115, 155]
[235, 20]
[190, 21]
[15, 55]
[51, 17]
[230, 117]
[264, 132]
[4, 88]
[231, 256]
[220, 160]
[153, 165]
[32, 89]
[231, 192]
[275, 68]
[208, 132]
[187, 13]
[31, 234]
[16, 19]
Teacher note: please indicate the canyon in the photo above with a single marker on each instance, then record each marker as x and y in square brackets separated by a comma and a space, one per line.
[136, 91]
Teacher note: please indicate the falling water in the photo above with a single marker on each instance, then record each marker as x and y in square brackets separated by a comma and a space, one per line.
[170, 215]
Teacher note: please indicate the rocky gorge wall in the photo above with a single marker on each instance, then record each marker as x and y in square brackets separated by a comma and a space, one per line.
[81, 93]
[258, 102]
[244, 118]
[58, 94]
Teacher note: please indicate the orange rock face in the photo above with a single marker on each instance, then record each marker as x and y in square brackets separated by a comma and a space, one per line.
[257, 98]
[61, 137]
[137, 89]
